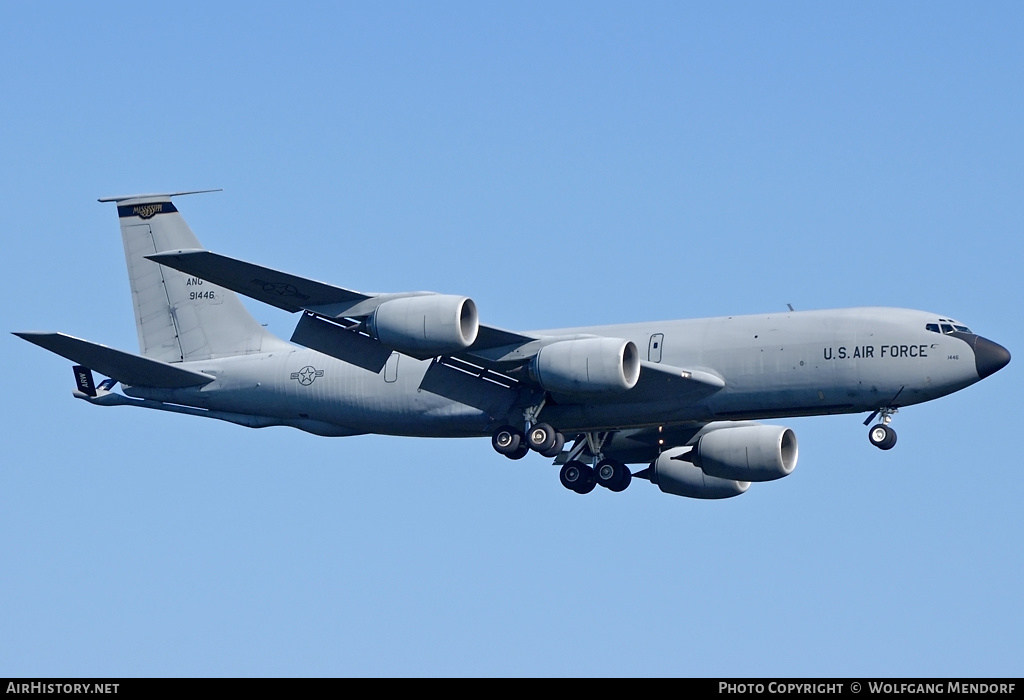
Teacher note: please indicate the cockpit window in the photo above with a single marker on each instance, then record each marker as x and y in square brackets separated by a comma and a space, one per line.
[946, 326]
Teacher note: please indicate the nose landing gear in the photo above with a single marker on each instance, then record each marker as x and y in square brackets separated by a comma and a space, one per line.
[881, 435]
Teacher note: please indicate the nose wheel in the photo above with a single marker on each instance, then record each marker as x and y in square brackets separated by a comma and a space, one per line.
[882, 436]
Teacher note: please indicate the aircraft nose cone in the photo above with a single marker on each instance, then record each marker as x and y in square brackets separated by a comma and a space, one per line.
[989, 357]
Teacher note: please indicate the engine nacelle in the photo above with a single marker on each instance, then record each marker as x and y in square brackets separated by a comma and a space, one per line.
[747, 452]
[681, 478]
[587, 366]
[425, 326]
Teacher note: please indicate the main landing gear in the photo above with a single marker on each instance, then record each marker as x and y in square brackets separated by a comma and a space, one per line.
[546, 440]
[881, 435]
[541, 438]
[509, 442]
[582, 478]
[575, 475]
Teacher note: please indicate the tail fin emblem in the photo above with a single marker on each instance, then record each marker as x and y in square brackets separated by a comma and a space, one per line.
[147, 211]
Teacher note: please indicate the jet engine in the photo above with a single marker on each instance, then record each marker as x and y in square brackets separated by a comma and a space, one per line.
[426, 326]
[587, 366]
[747, 452]
[681, 478]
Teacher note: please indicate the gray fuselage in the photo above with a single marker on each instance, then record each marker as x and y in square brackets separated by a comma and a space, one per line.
[775, 365]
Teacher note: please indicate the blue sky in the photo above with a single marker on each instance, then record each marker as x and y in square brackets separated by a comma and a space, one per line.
[563, 164]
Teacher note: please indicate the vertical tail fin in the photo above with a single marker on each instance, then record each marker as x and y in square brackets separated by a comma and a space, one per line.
[179, 317]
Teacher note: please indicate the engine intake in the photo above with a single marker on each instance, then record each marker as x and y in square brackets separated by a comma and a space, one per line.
[587, 366]
[426, 326]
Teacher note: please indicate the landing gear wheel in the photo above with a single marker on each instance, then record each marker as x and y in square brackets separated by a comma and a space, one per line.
[613, 475]
[556, 449]
[541, 437]
[520, 452]
[882, 436]
[507, 441]
[577, 476]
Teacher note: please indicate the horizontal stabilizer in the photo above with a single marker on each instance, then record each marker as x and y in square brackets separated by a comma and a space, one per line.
[152, 195]
[280, 289]
[125, 367]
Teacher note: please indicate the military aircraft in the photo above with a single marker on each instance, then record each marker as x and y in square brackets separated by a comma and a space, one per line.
[681, 397]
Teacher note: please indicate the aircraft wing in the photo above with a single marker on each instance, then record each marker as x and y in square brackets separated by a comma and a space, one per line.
[273, 287]
[125, 367]
[334, 322]
[293, 293]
